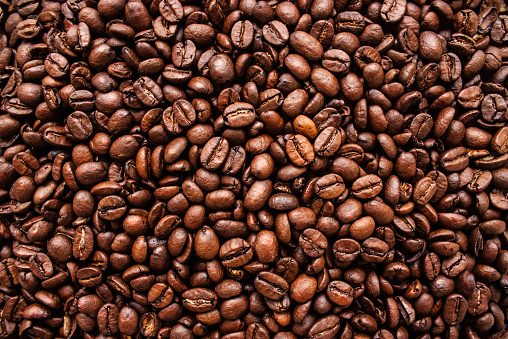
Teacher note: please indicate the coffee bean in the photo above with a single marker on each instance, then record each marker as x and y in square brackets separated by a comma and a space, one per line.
[302, 289]
[107, 319]
[214, 153]
[206, 243]
[367, 186]
[240, 114]
[329, 186]
[271, 285]
[82, 248]
[392, 11]
[235, 252]
[306, 45]
[340, 293]
[41, 266]
[326, 326]
[300, 150]
[242, 34]
[111, 207]
[199, 300]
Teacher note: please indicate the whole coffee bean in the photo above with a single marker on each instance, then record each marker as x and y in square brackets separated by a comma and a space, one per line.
[41, 266]
[327, 84]
[271, 285]
[128, 319]
[327, 142]
[346, 249]
[214, 153]
[266, 246]
[367, 186]
[239, 115]
[302, 289]
[107, 319]
[206, 243]
[374, 249]
[313, 242]
[111, 207]
[283, 201]
[185, 114]
[242, 34]
[235, 252]
[160, 295]
[326, 326]
[299, 150]
[350, 21]
[89, 276]
[477, 301]
[56, 65]
[329, 186]
[82, 248]
[147, 91]
[392, 11]
[455, 308]
[340, 293]
[306, 45]
[199, 300]
[276, 33]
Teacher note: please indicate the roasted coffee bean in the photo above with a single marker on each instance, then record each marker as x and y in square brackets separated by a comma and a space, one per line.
[199, 300]
[313, 242]
[340, 293]
[327, 142]
[329, 186]
[107, 319]
[306, 45]
[271, 285]
[300, 150]
[147, 91]
[346, 249]
[367, 186]
[214, 153]
[238, 115]
[235, 252]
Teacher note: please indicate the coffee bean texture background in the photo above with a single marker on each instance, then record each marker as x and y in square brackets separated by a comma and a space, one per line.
[244, 169]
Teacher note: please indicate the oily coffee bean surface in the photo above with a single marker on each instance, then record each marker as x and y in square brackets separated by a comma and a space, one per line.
[253, 169]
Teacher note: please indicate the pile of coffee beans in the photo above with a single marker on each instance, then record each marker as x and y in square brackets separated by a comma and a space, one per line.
[253, 169]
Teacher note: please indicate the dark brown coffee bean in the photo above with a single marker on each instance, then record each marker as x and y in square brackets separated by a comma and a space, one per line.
[303, 288]
[242, 34]
[392, 10]
[214, 153]
[238, 115]
[111, 207]
[367, 186]
[300, 150]
[306, 45]
[199, 300]
[206, 243]
[325, 327]
[477, 301]
[313, 242]
[41, 266]
[340, 293]
[107, 319]
[172, 11]
[266, 246]
[235, 252]
[271, 285]
[374, 250]
[147, 91]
